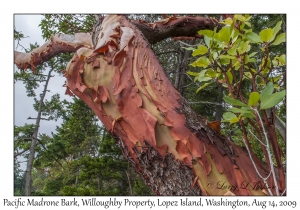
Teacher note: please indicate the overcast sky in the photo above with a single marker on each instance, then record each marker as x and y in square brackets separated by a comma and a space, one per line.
[28, 25]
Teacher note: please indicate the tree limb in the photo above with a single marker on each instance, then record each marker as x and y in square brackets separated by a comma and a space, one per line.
[59, 43]
[20, 153]
[174, 27]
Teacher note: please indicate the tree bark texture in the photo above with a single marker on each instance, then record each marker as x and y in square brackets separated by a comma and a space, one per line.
[168, 144]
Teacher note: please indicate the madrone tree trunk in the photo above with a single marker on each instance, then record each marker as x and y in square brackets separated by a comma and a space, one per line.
[121, 79]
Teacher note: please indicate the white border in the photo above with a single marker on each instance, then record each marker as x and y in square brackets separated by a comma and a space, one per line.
[172, 7]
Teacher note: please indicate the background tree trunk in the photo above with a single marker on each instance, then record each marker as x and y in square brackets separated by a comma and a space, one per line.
[34, 139]
[219, 107]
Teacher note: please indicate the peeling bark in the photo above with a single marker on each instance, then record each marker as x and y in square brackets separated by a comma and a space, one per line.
[167, 143]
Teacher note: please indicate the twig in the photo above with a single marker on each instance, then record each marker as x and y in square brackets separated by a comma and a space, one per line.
[283, 191]
[192, 80]
[204, 102]
[268, 151]
[257, 138]
[20, 153]
[183, 43]
[171, 51]
[129, 182]
[257, 172]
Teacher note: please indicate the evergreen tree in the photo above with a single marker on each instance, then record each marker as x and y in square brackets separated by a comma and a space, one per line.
[82, 159]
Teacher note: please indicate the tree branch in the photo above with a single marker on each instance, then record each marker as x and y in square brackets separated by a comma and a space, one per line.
[20, 153]
[30, 118]
[174, 27]
[59, 43]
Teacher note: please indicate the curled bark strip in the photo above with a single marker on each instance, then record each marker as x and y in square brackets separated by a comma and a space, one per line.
[125, 85]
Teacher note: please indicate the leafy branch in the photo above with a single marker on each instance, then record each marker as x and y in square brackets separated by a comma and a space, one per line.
[227, 58]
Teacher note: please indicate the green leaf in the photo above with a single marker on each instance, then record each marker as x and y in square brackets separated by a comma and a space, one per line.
[192, 73]
[249, 60]
[203, 86]
[240, 17]
[237, 65]
[253, 37]
[200, 50]
[224, 34]
[252, 54]
[267, 91]
[282, 59]
[276, 86]
[249, 47]
[266, 34]
[243, 47]
[279, 61]
[234, 35]
[200, 75]
[232, 51]
[242, 110]
[253, 98]
[208, 33]
[267, 68]
[211, 73]
[279, 39]
[247, 75]
[272, 100]
[275, 79]
[224, 61]
[213, 55]
[234, 120]
[276, 29]
[220, 75]
[229, 116]
[249, 115]
[230, 77]
[248, 24]
[207, 41]
[203, 79]
[227, 21]
[248, 17]
[227, 56]
[201, 62]
[233, 101]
